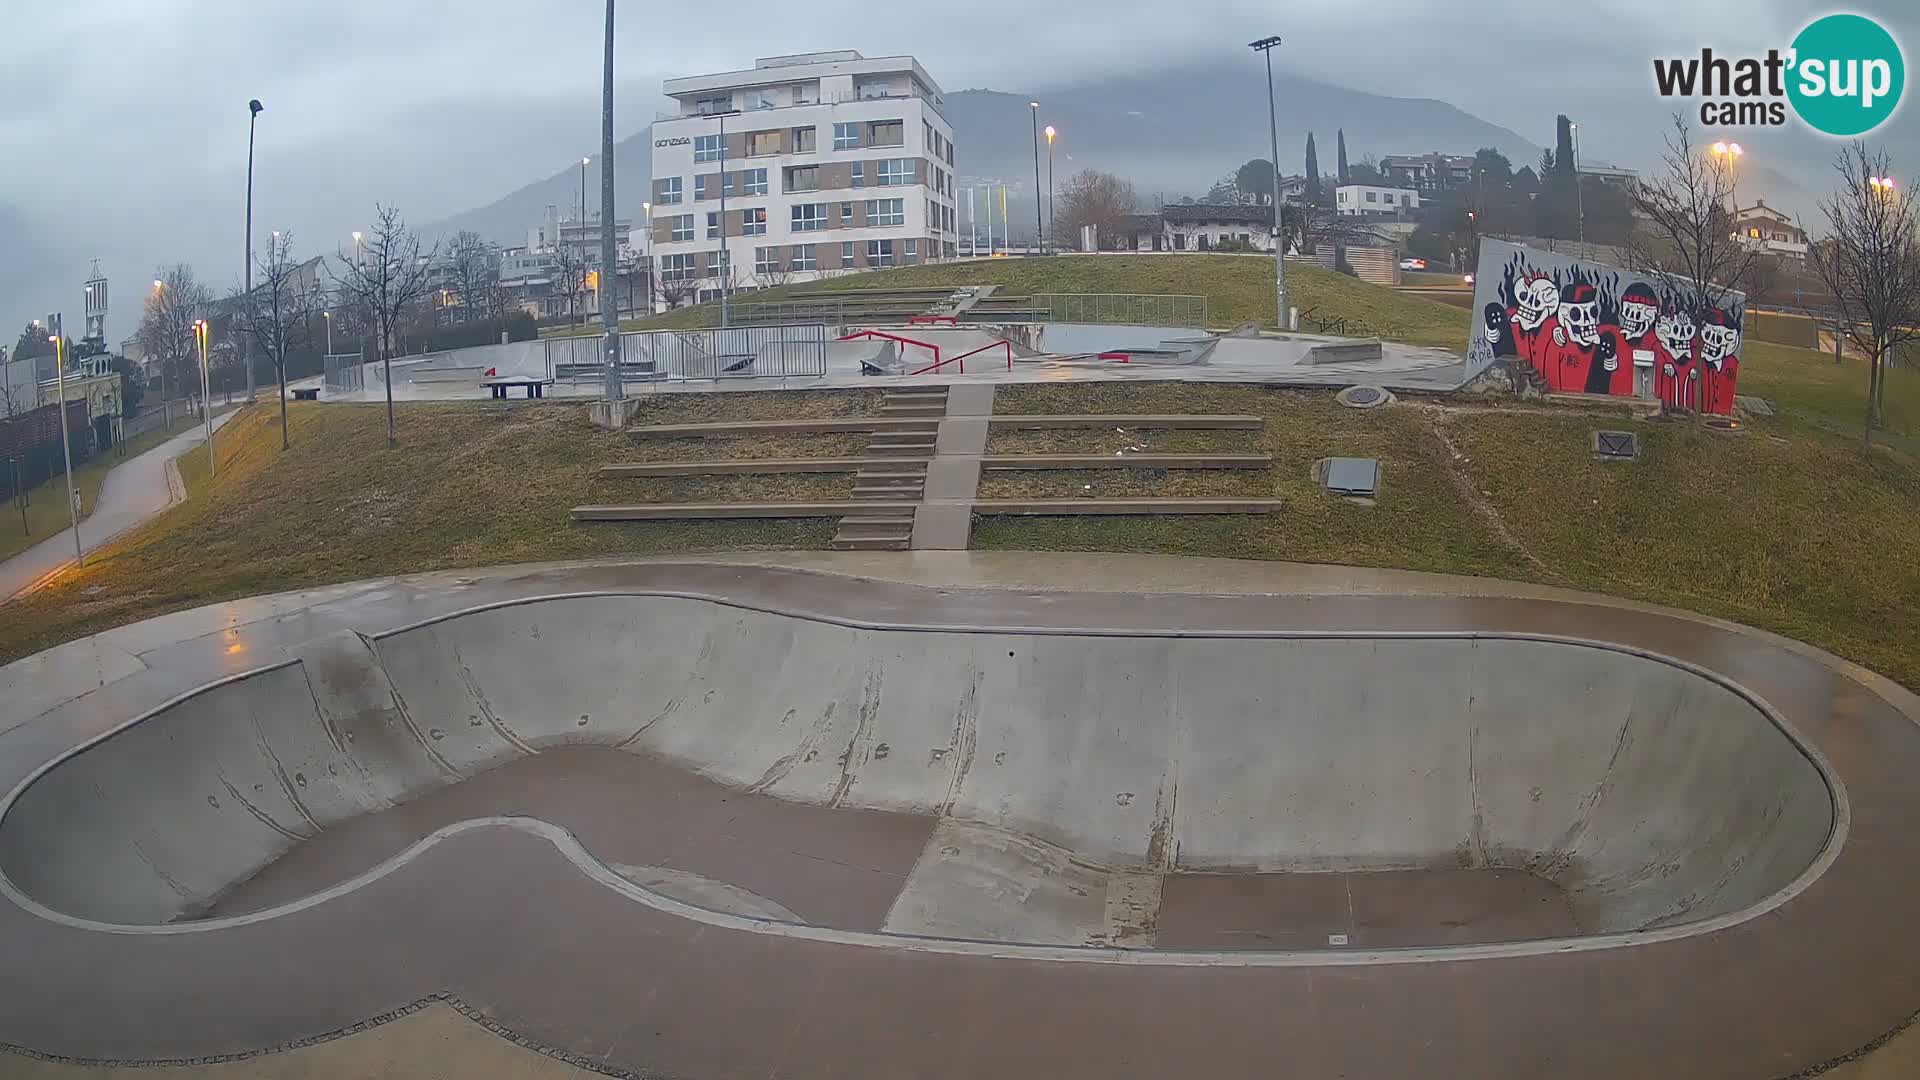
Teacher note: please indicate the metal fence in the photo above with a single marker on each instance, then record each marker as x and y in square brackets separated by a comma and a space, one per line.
[1138, 309]
[739, 352]
[344, 371]
[775, 312]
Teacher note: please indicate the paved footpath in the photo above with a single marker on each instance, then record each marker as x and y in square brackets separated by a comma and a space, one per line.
[134, 491]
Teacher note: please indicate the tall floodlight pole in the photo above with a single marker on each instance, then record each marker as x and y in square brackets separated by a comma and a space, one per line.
[1266, 46]
[1579, 195]
[254, 109]
[609, 297]
[724, 272]
[204, 330]
[1053, 239]
[1039, 230]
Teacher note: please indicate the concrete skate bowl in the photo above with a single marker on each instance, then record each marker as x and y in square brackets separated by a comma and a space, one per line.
[1181, 794]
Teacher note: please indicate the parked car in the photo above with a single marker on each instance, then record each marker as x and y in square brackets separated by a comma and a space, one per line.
[1413, 264]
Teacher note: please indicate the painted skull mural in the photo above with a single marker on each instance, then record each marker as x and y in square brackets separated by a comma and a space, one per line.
[1585, 327]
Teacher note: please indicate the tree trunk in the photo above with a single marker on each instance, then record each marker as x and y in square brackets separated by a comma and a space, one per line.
[285, 442]
[1873, 380]
[386, 371]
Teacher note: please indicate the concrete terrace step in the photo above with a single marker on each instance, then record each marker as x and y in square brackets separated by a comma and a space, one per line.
[885, 528]
[1037, 422]
[733, 467]
[1010, 462]
[869, 543]
[890, 494]
[912, 449]
[1125, 506]
[688, 511]
[833, 426]
[909, 411]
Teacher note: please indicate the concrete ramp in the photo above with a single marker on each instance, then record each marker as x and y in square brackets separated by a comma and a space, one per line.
[1070, 774]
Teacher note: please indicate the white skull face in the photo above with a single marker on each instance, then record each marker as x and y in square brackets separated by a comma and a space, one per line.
[1636, 317]
[1717, 343]
[1581, 322]
[1676, 333]
[1536, 301]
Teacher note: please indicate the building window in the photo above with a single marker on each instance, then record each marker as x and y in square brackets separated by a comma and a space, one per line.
[846, 253]
[803, 140]
[927, 138]
[952, 249]
[753, 222]
[857, 173]
[803, 257]
[846, 136]
[713, 225]
[766, 260]
[706, 148]
[683, 227]
[879, 253]
[808, 217]
[669, 192]
[677, 268]
[895, 171]
[886, 211]
[755, 181]
[1405, 199]
[912, 253]
[708, 106]
[1372, 196]
[886, 133]
[700, 192]
[762, 143]
[846, 214]
[802, 178]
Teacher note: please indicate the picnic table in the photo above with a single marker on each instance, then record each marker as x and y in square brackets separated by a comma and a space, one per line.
[502, 385]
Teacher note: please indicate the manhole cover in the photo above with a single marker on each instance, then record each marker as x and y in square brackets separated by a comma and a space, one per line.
[1616, 445]
[1353, 475]
[1363, 397]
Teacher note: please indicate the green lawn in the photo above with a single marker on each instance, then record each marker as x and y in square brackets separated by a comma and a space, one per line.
[1237, 288]
[47, 509]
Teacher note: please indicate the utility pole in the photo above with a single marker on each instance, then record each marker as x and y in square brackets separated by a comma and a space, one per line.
[609, 298]
[1266, 45]
[254, 109]
[66, 442]
[1039, 230]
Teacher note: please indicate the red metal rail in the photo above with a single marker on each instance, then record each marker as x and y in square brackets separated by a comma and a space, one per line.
[870, 334]
[962, 358]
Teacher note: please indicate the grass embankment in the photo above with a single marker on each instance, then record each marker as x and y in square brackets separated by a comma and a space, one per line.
[470, 484]
[1237, 288]
[47, 508]
[1785, 527]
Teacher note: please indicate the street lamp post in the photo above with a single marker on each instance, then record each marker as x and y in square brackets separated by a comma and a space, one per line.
[1733, 153]
[1265, 46]
[609, 298]
[1039, 230]
[1579, 189]
[254, 108]
[328, 316]
[724, 271]
[1053, 239]
[202, 330]
[646, 249]
[584, 162]
[59, 339]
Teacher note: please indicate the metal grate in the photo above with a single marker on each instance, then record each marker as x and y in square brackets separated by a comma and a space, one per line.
[1353, 475]
[1616, 445]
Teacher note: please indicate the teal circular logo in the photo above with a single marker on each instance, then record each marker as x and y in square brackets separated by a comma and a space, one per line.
[1847, 75]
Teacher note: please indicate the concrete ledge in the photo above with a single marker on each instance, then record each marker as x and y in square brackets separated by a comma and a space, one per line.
[837, 425]
[748, 466]
[1015, 462]
[614, 415]
[1036, 423]
[1125, 506]
[687, 511]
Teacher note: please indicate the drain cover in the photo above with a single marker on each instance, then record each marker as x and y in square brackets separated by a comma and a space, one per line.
[1363, 397]
[1353, 475]
[1616, 445]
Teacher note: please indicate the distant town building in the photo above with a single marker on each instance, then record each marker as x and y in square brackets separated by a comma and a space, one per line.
[1610, 174]
[831, 161]
[1361, 200]
[1427, 172]
[1770, 230]
[1200, 227]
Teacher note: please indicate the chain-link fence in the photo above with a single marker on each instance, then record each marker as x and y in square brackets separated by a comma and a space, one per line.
[1137, 309]
[738, 352]
[342, 372]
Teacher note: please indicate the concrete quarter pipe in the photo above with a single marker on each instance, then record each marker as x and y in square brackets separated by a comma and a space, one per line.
[1090, 796]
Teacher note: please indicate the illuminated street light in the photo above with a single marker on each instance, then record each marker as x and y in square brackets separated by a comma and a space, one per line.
[1053, 241]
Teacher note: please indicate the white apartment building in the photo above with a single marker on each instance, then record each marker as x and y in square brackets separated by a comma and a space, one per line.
[1364, 199]
[826, 162]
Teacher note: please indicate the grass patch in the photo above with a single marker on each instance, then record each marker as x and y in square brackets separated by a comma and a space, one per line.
[1128, 484]
[743, 448]
[757, 488]
[1808, 386]
[1238, 289]
[46, 505]
[471, 484]
[725, 406]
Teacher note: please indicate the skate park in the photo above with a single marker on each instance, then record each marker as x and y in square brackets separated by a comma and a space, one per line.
[1095, 808]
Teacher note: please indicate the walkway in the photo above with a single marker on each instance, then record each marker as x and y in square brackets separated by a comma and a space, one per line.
[133, 492]
[585, 966]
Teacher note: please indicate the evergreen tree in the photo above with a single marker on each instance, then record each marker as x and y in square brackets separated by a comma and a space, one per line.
[1563, 145]
[1314, 194]
[1345, 174]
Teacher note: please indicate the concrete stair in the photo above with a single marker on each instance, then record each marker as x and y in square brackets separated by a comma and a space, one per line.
[895, 471]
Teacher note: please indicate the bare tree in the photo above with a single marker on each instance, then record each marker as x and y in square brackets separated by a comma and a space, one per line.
[1870, 261]
[1307, 227]
[388, 276]
[166, 326]
[280, 317]
[677, 290]
[476, 274]
[1096, 198]
[1686, 237]
[569, 275]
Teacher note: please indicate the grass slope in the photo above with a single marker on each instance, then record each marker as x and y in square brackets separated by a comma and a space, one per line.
[46, 508]
[1238, 288]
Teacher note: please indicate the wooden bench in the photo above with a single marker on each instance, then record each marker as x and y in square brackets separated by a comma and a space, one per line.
[502, 386]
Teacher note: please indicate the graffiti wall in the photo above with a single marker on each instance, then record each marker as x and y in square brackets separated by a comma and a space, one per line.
[1586, 327]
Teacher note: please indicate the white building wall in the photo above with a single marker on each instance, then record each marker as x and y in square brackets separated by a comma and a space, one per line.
[674, 157]
[1351, 199]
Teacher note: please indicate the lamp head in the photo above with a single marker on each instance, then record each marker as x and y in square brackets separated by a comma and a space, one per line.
[254, 108]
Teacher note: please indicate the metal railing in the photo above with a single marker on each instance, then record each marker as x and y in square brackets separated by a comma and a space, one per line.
[344, 372]
[777, 312]
[738, 352]
[1139, 309]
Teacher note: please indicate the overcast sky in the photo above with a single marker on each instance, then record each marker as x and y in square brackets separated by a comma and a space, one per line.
[126, 140]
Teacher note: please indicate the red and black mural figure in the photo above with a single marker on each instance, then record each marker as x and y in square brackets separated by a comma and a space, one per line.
[1587, 328]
